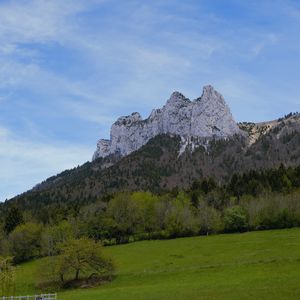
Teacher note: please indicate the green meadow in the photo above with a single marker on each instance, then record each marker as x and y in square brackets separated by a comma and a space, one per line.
[255, 265]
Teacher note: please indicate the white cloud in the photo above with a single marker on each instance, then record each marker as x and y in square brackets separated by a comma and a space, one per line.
[36, 20]
[89, 113]
[131, 59]
[25, 163]
[263, 42]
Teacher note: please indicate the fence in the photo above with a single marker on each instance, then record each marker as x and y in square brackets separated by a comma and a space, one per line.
[34, 297]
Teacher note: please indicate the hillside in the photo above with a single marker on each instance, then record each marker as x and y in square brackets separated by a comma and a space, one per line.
[159, 166]
[257, 265]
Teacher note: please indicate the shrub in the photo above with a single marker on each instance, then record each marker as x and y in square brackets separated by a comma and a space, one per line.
[235, 219]
[25, 242]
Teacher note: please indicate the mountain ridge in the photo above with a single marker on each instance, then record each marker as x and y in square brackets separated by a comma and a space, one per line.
[173, 157]
[205, 117]
[157, 167]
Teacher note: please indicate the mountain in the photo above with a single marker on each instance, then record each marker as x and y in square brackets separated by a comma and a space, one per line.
[206, 117]
[183, 142]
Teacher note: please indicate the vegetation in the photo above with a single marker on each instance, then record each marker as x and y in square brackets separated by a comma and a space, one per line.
[252, 265]
[12, 220]
[226, 187]
[257, 200]
[7, 276]
[158, 168]
[81, 257]
[25, 241]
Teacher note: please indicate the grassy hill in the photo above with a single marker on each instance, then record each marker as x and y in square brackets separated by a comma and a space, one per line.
[256, 265]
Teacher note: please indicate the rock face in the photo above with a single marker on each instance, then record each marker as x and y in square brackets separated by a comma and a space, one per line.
[206, 117]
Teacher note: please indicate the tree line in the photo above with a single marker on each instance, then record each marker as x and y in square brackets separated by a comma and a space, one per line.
[256, 200]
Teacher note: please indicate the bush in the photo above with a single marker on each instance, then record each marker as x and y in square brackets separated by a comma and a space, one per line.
[25, 242]
[235, 219]
[210, 220]
[180, 220]
[7, 276]
[54, 235]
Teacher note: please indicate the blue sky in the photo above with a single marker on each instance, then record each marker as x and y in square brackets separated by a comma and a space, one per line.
[68, 69]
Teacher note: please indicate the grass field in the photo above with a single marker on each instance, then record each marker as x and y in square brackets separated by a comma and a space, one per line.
[256, 265]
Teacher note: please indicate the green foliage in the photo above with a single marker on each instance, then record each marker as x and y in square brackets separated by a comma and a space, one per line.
[255, 200]
[82, 259]
[157, 167]
[25, 242]
[148, 206]
[235, 219]
[180, 220]
[52, 236]
[255, 183]
[13, 218]
[252, 265]
[126, 214]
[210, 220]
[142, 215]
[7, 276]
[4, 244]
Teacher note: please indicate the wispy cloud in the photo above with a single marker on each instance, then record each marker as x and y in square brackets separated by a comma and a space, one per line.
[69, 68]
[24, 163]
[36, 20]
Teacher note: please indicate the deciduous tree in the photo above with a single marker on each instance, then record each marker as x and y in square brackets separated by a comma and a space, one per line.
[82, 258]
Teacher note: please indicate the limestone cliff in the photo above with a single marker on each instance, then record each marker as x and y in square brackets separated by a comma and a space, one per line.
[204, 118]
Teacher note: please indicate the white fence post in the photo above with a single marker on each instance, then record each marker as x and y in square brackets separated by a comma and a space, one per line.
[33, 297]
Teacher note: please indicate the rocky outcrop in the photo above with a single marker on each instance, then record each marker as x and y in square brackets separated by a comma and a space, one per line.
[206, 117]
[255, 131]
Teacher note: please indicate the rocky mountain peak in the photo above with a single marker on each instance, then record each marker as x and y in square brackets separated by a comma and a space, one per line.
[209, 94]
[206, 117]
[177, 96]
[128, 120]
[208, 90]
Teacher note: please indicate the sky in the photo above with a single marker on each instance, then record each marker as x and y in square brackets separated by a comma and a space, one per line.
[69, 68]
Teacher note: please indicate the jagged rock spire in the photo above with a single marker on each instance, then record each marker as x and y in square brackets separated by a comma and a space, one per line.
[206, 117]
